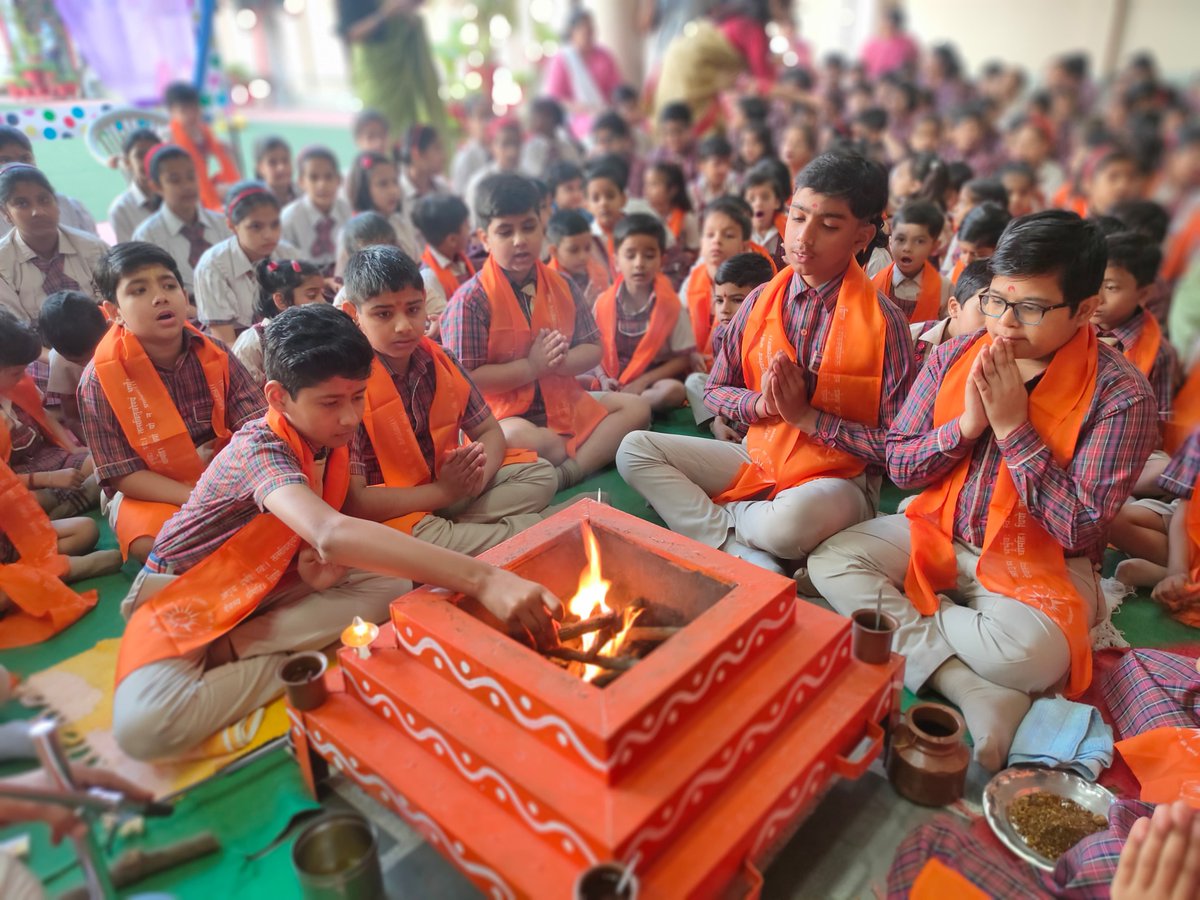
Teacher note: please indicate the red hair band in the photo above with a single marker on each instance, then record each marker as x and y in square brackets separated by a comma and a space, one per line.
[243, 194]
[272, 266]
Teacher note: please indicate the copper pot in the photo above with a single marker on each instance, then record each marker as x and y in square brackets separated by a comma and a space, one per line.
[929, 758]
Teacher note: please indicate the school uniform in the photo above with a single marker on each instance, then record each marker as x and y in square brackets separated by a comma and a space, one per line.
[167, 703]
[130, 209]
[433, 387]
[26, 279]
[187, 242]
[313, 231]
[770, 493]
[407, 238]
[468, 159]
[1018, 613]
[1141, 340]
[771, 239]
[442, 277]
[226, 287]
[189, 386]
[248, 348]
[540, 152]
[64, 375]
[644, 338]
[921, 297]
[927, 336]
[703, 193]
[71, 214]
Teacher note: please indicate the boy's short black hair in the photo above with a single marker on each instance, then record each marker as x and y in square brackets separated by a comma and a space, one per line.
[987, 189]
[305, 346]
[1054, 242]
[921, 212]
[123, 260]
[873, 118]
[640, 223]
[611, 122]
[984, 224]
[316, 151]
[607, 168]
[958, 173]
[160, 155]
[364, 229]
[550, 109]
[10, 134]
[737, 209]
[852, 177]
[676, 112]
[139, 136]
[770, 171]
[1145, 217]
[71, 323]
[624, 93]
[1018, 167]
[1108, 225]
[380, 270]
[715, 146]
[505, 194]
[744, 270]
[975, 277]
[180, 93]
[560, 173]
[1136, 254]
[566, 223]
[369, 117]
[754, 109]
[437, 216]
[19, 343]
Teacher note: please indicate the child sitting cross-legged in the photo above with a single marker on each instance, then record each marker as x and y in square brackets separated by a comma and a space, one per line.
[1025, 440]
[261, 562]
[408, 468]
[644, 330]
[523, 332]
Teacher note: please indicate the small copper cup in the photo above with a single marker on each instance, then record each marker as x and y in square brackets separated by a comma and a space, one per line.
[303, 677]
[871, 636]
[601, 882]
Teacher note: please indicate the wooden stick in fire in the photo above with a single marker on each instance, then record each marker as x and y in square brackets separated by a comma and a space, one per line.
[616, 664]
[587, 626]
[655, 633]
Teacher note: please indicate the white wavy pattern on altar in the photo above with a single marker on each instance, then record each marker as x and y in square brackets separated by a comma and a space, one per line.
[796, 798]
[732, 756]
[572, 841]
[432, 832]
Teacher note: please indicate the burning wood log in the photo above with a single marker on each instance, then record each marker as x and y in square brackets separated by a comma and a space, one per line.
[604, 662]
[587, 626]
[652, 633]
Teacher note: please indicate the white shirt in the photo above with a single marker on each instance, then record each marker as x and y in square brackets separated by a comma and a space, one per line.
[538, 150]
[248, 349]
[907, 289]
[406, 235]
[435, 294]
[71, 214]
[21, 281]
[300, 218]
[129, 210]
[164, 229]
[470, 158]
[64, 375]
[411, 193]
[226, 289]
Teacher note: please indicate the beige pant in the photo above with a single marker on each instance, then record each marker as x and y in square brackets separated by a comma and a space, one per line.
[679, 475]
[694, 385]
[514, 502]
[168, 707]
[1003, 640]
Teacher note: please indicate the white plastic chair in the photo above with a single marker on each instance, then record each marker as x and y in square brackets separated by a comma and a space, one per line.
[105, 136]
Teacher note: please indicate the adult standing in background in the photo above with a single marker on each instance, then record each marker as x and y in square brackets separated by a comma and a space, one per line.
[892, 50]
[582, 75]
[661, 21]
[391, 62]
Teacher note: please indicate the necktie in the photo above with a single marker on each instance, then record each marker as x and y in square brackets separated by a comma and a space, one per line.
[322, 244]
[53, 276]
[194, 232]
[459, 270]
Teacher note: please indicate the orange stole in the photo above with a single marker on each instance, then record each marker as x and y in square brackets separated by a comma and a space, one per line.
[1191, 616]
[1066, 198]
[956, 272]
[762, 251]
[227, 174]
[28, 399]
[44, 605]
[1181, 246]
[849, 384]
[700, 307]
[1185, 413]
[929, 298]
[447, 279]
[663, 318]
[219, 592]
[675, 223]
[1019, 558]
[570, 411]
[598, 276]
[1146, 346]
[937, 881]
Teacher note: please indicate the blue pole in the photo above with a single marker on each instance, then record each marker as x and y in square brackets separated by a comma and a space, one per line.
[208, 9]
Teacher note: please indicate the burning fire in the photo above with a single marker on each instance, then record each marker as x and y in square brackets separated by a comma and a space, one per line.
[590, 601]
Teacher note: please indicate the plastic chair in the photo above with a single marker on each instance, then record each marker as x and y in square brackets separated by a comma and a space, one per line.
[105, 136]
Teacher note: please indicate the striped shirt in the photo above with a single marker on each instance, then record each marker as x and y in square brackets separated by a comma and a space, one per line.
[1162, 370]
[1179, 477]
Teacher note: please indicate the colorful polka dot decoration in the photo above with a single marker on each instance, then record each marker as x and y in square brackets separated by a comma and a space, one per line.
[59, 122]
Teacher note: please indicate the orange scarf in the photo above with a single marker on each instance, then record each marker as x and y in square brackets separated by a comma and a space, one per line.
[849, 384]
[700, 307]
[1146, 345]
[597, 275]
[937, 881]
[1019, 558]
[929, 298]
[1180, 248]
[780, 222]
[663, 318]
[570, 411]
[956, 272]
[1185, 413]
[219, 592]
[228, 173]
[675, 223]
[44, 605]
[1191, 615]
[1066, 198]
[762, 251]
[26, 397]
[447, 279]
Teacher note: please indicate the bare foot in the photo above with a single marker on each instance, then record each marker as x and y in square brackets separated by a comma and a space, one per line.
[993, 712]
[1161, 858]
[90, 565]
[1139, 573]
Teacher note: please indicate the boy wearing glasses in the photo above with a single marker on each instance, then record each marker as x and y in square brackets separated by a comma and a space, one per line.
[1026, 438]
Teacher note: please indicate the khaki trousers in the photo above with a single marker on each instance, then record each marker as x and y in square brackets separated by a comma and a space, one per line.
[694, 385]
[1002, 639]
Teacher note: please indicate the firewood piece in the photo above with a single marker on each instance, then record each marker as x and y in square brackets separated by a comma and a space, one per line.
[587, 626]
[604, 662]
[605, 678]
[655, 633]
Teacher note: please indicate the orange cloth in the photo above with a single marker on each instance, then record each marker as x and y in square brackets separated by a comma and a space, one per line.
[1145, 348]
[937, 881]
[956, 273]
[221, 591]
[570, 411]
[1163, 760]
[780, 222]
[227, 174]
[28, 398]
[1019, 558]
[1066, 198]
[447, 279]
[1181, 246]
[598, 276]
[44, 606]
[762, 251]
[700, 307]
[675, 223]
[929, 298]
[1185, 412]
[663, 317]
[849, 384]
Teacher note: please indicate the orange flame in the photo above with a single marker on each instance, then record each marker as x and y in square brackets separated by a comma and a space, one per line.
[591, 600]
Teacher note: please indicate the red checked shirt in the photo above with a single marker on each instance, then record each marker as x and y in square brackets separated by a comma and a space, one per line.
[112, 452]
[1162, 371]
[1179, 477]
[807, 315]
[416, 389]
[468, 318]
[1075, 505]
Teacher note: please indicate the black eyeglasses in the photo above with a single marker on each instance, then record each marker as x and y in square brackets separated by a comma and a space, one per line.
[1026, 312]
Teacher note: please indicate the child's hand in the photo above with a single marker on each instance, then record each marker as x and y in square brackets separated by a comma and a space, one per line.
[637, 386]
[205, 452]
[1176, 592]
[697, 361]
[461, 475]
[788, 393]
[62, 479]
[973, 421]
[722, 432]
[1002, 389]
[609, 384]
[559, 346]
[546, 351]
[315, 572]
[521, 605]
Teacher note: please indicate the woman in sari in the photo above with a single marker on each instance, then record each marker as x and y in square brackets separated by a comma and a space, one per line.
[582, 75]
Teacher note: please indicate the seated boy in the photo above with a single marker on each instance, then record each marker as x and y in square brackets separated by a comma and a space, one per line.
[564, 180]
[604, 188]
[570, 240]
[407, 467]
[1026, 439]
[675, 138]
[735, 279]
[261, 563]
[446, 223]
[138, 202]
[312, 222]
[977, 236]
[612, 137]
[910, 281]
[644, 330]
[196, 138]
[72, 325]
[472, 155]
[812, 462]
[523, 332]
[715, 178]
[546, 142]
[767, 187]
[146, 398]
[724, 233]
[963, 313]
